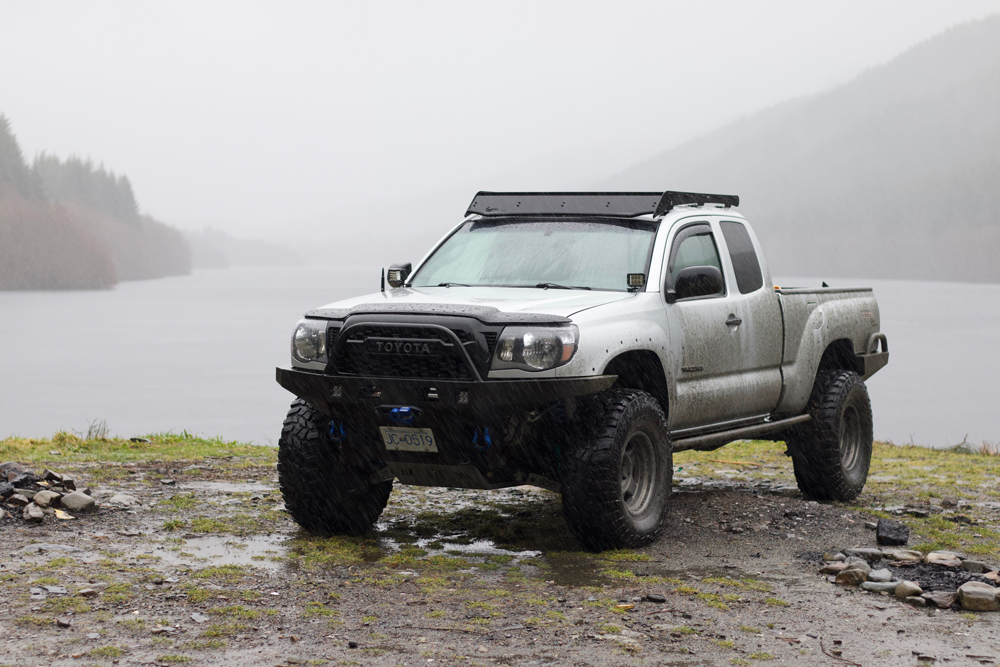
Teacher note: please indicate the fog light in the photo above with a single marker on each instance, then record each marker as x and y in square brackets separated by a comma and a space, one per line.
[463, 398]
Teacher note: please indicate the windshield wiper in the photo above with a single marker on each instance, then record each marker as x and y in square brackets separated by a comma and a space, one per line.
[558, 286]
[454, 285]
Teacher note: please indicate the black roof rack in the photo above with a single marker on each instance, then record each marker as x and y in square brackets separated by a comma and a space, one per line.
[491, 204]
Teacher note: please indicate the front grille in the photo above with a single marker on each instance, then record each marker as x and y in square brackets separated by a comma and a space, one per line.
[388, 350]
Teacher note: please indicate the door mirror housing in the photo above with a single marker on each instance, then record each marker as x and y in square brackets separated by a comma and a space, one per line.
[398, 273]
[695, 281]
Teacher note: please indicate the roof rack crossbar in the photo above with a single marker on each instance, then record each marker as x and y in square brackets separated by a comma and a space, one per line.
[616, 204]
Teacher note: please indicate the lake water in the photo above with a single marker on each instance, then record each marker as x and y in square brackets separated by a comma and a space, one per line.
[198, 353]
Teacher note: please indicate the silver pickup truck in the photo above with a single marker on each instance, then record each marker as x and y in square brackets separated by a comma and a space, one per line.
[574, 341]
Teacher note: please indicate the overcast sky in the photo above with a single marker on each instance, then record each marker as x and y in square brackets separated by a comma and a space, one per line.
[250, 116]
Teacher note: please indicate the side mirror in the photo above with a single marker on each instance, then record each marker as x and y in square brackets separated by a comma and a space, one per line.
[398, 273]
[696, 281]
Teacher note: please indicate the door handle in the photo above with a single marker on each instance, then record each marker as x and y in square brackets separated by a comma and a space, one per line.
[734, 321]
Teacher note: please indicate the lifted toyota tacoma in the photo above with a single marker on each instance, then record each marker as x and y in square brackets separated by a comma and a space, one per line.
[575, 341]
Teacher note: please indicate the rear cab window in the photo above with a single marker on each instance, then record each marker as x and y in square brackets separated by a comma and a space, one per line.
[746, 266]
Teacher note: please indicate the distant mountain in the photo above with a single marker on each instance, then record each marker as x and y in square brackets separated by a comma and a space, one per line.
[893, 175]
[214, 249]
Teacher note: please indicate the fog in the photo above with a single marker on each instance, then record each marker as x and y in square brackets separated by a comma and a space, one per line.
[279, 120]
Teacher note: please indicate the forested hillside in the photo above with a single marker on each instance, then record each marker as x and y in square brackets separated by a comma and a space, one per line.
[72, 225]
[893, 175]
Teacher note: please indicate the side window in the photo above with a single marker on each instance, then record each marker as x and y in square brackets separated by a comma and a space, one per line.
[745, 263]
[694, 246]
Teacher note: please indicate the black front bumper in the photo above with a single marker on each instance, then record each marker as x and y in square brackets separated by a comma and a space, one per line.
[327, 393]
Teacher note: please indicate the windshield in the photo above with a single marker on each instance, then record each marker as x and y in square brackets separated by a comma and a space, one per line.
[594, 254]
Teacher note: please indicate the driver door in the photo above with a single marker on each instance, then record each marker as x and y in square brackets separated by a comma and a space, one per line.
[705, 350]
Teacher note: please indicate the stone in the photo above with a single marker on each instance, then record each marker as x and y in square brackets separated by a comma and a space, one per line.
[942, 599]
[63, 623]
[834, 556]
[167, 482]
[12, 466]
[918, 513]
[879, 586]
[977, 596]
[904, 555]
[78, 501]
[51, 476]
[55, 590]
[941, 556]
[199, 618]
[33, 513]
[907, 589]
[123, 499]
[46, 498]
[87, 592]
[993, 576]
[834, 568]
[6, 489]
[93, 635]
[881, 575]
[655, 597]
[18, 500]
[871, 525]
[975, 566]
[949, 502]
[851, 577]
[27, 493]
[69, 483]
[915, 600]
[858, 564]
[869, 554]
[889, 532]
[21, 479]
[45, 546]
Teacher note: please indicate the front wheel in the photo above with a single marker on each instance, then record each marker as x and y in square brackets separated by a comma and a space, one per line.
[328, 488]
[616, 480]
[832, 454]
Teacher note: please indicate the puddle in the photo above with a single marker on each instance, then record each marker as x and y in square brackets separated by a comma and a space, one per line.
[256, 550]
[227, 487]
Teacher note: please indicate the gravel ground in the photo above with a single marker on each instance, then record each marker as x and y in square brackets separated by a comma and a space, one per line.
[208, 569]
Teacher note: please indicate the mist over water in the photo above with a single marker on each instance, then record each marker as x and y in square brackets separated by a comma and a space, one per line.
[198, 352]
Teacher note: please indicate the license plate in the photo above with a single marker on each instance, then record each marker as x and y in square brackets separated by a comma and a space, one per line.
[404, 439]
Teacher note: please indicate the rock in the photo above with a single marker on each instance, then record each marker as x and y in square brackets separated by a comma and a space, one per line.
[27, 493]
[879, 586]
[941, 557]
[163, 629]
[871, 525]
[655, 597]
[975, 566]
[233, 501]
[33, 513]
[93, 635]
[942, 599]
[55, 590]
[123, 499]
[22, 479]
[891, 533]
[907, 589]
[18, 500]
[834, 568]
[199, 618]
[882, 575]
[834, 556]
[858, 564]
[51, 476]
[993, 576]
[851, 577]
[87, 592]
[69, 483]
[78, 501]
[949, 502]
[915, 600]
[918, 513]
[167, 482]
[63, 623]
[64, 516]
[904, 555]
[6, 489]
[869, 554]
[977, 596]
[46, 498]
[12, 466]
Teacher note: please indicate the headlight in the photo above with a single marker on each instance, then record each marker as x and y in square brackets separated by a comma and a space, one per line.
[309, 341]
[536, 348]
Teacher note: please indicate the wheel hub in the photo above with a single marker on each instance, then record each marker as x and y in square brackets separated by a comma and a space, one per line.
[638, 473]
[850, 438]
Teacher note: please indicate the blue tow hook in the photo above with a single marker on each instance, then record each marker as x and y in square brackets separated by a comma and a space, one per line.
[338, 432]
[487, 438]
[403, 416]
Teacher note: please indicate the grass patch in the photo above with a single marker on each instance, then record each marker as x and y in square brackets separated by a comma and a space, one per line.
[775, 602]
[173, 659]
[228, 573]
[223, 629]
[235, 611]
[112, 652]
[161, 447]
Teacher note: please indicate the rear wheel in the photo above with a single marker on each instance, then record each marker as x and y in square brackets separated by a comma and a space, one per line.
[616, 479]
[832, 453]
[328, 487]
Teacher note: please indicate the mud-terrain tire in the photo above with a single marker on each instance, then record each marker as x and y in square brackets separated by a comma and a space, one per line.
[616, 477]
[326, 487]
[831, 453]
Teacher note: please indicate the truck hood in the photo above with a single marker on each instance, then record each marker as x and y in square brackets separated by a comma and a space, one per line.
[558, 302]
